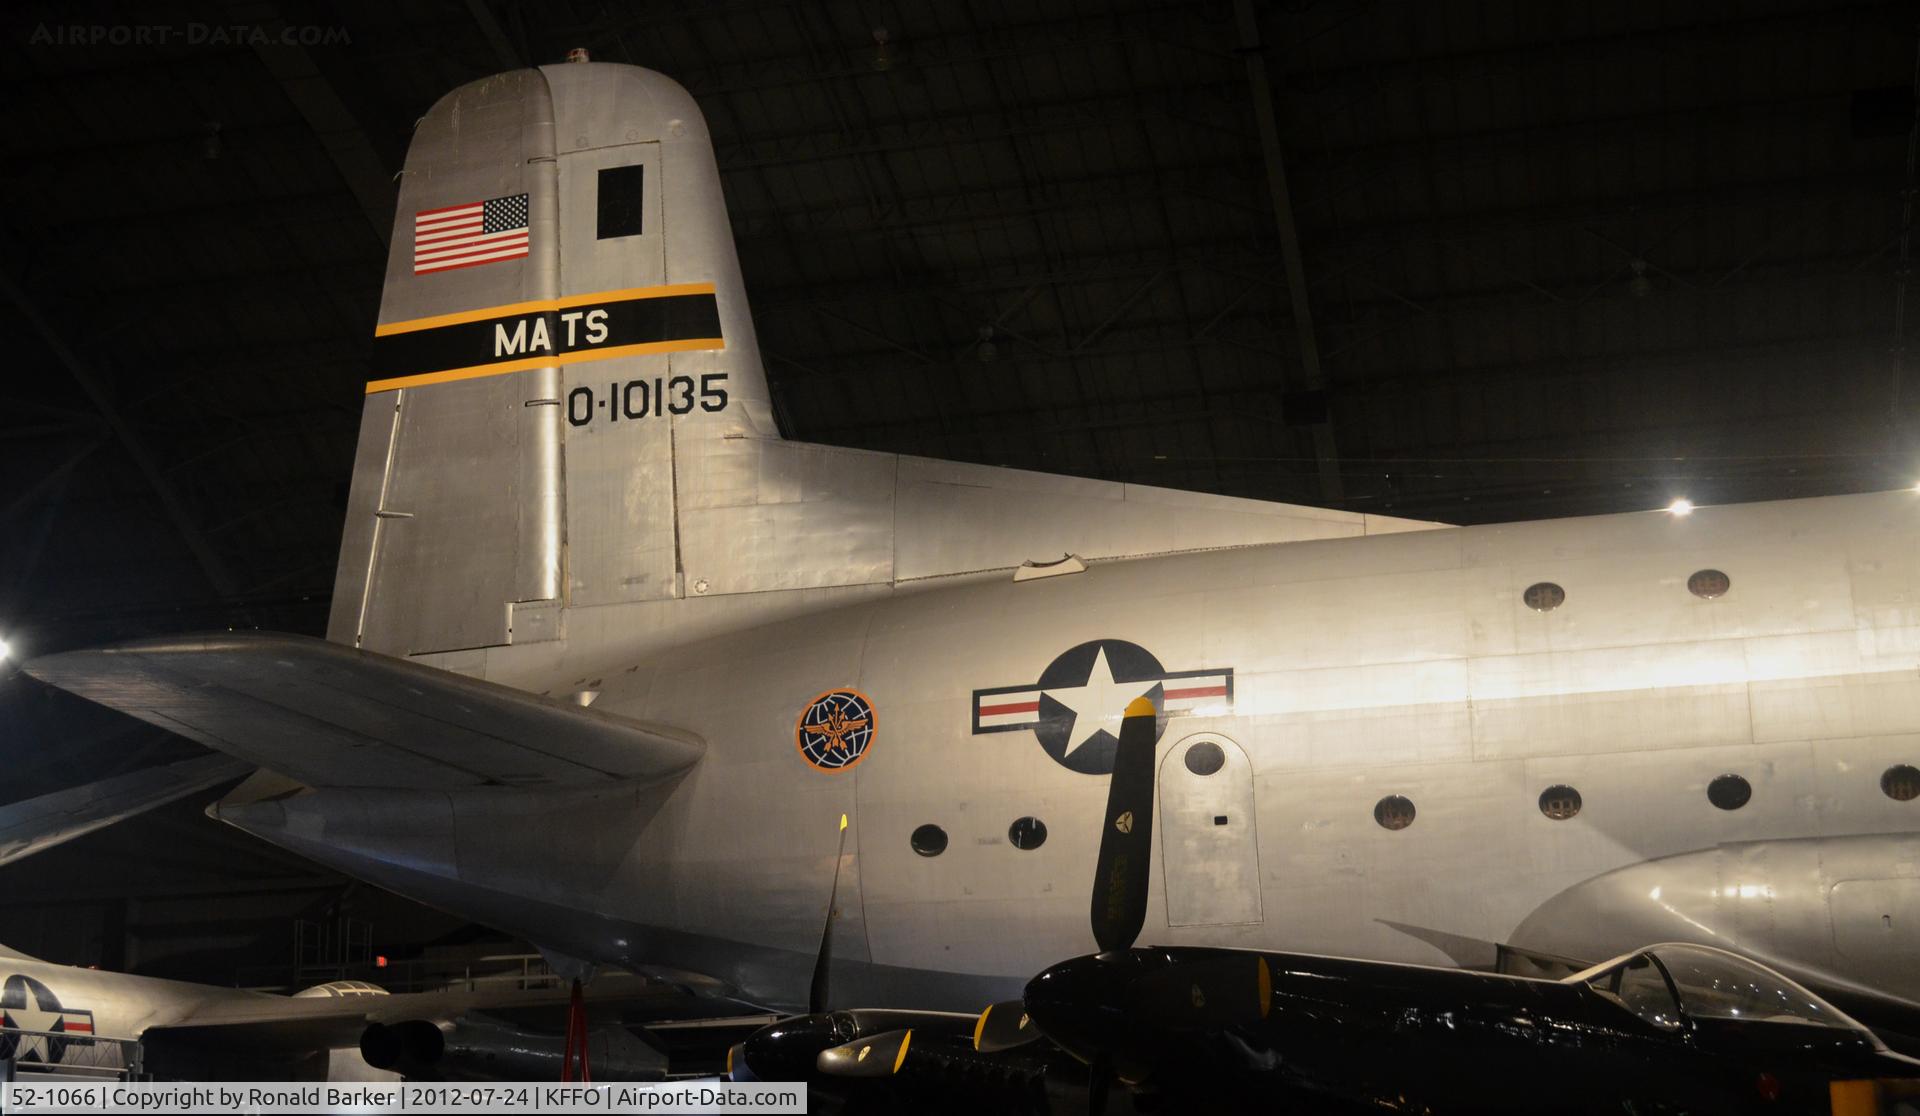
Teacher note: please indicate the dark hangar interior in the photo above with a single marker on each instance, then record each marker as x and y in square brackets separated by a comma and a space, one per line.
[1470, 261]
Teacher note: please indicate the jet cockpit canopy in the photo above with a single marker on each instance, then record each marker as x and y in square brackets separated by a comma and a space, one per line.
[1669, 985]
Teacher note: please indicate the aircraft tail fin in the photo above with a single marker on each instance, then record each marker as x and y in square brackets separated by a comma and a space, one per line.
[563, 307]
[568, 409]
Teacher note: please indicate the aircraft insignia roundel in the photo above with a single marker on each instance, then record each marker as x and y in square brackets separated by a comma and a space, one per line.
[28, 1005]
[835, 730]
[1076, 705]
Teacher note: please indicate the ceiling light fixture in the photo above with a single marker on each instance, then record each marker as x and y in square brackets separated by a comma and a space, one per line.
[1640, 286]
[985, 350]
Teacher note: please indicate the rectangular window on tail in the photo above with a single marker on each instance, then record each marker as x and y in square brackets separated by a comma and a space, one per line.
[622, 190]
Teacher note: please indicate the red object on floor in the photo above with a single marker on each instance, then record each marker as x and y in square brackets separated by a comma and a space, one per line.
[576, 1038]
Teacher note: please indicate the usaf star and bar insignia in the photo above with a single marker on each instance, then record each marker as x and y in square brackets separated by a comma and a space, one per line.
[35, 1027]
[1076, 705]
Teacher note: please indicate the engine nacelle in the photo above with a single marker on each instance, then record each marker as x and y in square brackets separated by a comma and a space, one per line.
[409, 1047]
[1811, 907]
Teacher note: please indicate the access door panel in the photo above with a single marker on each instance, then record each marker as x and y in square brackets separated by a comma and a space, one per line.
[1209, 849]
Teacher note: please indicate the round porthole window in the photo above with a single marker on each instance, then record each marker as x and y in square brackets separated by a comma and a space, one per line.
[1027, 833]
[1205, 758]
[929, 840]
[1708, 584]
[1901, 782]
[1559, 802]
[1729, 792]
[1395, 811]
[1544, 596]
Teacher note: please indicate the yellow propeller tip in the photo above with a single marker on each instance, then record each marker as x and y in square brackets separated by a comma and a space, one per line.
[843, 821]
[1140, 707]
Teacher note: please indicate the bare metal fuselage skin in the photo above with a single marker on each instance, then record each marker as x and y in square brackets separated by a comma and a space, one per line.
[621, 522]
[1403, 664]
[59, 1015]
[113, 1006]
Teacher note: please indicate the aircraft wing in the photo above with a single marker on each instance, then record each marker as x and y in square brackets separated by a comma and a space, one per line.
[296, 1023]
[38, 824]
[334, 716]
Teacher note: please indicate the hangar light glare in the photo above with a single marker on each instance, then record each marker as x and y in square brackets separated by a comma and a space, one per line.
[5, 650]
[1682, 506]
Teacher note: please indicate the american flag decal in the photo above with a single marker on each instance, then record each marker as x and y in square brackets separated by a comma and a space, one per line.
[470, 234]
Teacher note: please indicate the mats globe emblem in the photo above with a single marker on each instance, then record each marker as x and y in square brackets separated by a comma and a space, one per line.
[835, 730]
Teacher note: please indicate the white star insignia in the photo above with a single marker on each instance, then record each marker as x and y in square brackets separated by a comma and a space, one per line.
[1099, 703]
[32, 1019]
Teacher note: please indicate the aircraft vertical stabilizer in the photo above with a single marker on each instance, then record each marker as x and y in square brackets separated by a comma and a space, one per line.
[562, 305]
[567, 406]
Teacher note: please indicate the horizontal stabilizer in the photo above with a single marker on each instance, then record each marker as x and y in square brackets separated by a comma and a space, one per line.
[38, 824]
[332, 716]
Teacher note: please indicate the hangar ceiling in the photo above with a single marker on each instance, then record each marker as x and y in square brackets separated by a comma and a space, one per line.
[1557, 258]
[1466, 261]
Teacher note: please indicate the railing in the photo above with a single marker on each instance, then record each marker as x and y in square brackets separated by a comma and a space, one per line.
[92, 1057]
[513, 970]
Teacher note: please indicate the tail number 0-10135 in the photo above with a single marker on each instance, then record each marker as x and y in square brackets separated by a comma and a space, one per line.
[638, 399]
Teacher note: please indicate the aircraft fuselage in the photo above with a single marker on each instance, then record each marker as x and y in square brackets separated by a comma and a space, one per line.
[1328, 686]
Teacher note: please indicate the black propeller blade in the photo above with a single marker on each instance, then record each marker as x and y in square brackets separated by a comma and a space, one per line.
[1122, 1010]
[1126, 841]
[817, 991]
